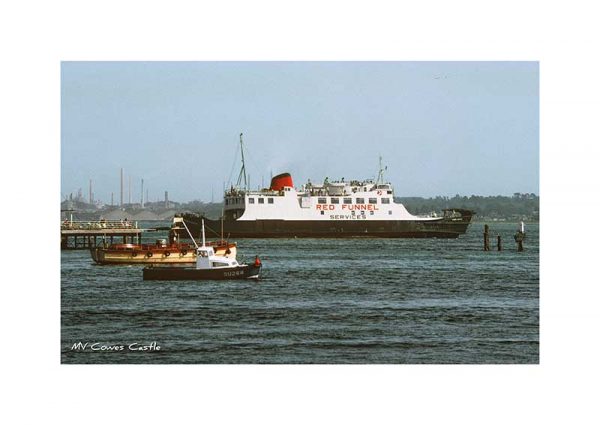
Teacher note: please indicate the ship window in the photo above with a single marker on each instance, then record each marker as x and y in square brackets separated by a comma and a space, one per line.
[335, 200]
[372, 200]
[270, 200]
[360, 200]
[322, 200]
[250, 200]
[261, 200]
[347, 200]
[385, 200]
[390, 212]
[372, 212]
[322, 212]
[216, 264]
[226, 201]
[389, 192]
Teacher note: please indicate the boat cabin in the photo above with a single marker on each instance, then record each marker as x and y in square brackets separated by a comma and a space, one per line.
[206, 259]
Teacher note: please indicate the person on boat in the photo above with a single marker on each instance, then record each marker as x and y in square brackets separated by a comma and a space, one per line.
[257, 262]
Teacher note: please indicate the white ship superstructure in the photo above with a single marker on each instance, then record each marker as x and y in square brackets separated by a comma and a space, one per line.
[337, 200]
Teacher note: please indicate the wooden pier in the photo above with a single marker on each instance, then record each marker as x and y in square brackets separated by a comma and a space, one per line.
[88, 234]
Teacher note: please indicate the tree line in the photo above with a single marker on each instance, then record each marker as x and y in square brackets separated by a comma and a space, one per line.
[519, 206]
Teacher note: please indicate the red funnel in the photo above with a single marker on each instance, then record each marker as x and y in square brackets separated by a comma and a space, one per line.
[281, 180]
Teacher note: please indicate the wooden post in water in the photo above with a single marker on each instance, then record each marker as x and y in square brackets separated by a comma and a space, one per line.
[486, 237]
[499, 243]
[520, 237]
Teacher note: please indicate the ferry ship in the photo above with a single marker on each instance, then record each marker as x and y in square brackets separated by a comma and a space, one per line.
[332, 209]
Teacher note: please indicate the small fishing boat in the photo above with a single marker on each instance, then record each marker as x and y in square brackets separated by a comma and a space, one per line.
[208, 267]
[161, 252]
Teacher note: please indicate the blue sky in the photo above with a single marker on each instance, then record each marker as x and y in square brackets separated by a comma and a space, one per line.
[443, 128]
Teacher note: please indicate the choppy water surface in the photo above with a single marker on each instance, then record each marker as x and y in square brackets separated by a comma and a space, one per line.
[319, 301]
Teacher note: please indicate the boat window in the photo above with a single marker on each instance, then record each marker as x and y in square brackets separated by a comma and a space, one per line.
[261, 200]
[390, 212]
[322, 200]
[372, 212]
[389, 192]
[226, 201]
[360, 200]
[217, 264]
[335, 200]
[250, 200]
[347, 200]
[322, 212]
[372, 200]
[385, 200]
[270, 200]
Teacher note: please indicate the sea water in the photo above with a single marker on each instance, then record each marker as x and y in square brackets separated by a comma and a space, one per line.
[355, 300]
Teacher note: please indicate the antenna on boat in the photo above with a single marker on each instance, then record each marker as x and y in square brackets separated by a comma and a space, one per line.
[203, 240]
[381, 170]
[243, 170]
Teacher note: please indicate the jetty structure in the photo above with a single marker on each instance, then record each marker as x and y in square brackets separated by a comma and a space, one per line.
[87, 234]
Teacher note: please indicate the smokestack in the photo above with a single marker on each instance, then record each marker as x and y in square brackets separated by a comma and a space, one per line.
[142, 202]
[166, 199]
[112, 198]
[121, 187]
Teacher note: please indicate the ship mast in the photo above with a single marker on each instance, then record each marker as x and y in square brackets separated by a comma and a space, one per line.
[381, 170]
[243, 170]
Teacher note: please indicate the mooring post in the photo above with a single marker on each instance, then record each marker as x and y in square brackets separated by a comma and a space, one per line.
[520, 237]
[499, 243]
[486, 237]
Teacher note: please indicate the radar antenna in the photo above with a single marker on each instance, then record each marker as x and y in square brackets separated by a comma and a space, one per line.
[243, 170]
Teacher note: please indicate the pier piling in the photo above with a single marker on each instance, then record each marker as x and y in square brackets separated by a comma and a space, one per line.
[486, 237]
[499, 243]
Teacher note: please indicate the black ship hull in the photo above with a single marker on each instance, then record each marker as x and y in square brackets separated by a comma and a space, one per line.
[447, 227]
[249, 271]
